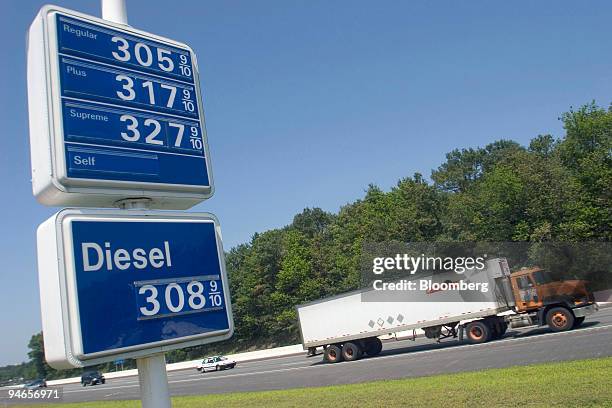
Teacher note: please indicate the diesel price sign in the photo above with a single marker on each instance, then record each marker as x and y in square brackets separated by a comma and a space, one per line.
[117, 110]
[128, 285]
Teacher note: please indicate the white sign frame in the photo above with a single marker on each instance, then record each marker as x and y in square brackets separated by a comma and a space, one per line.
[59, 299]
[50, 184]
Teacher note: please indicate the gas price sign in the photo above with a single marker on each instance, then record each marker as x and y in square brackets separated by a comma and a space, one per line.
[132, 284]
[125, 114]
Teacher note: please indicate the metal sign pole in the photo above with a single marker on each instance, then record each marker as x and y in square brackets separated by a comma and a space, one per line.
[153, 381]
[152, 376]
[114, 10]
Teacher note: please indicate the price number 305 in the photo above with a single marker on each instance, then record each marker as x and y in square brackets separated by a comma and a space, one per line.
[150, 56]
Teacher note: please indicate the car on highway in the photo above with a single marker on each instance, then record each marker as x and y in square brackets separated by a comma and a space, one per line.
[215, 363]
[40, 383]
[92, 378]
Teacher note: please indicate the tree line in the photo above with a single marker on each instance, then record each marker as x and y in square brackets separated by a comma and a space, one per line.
[551, 190]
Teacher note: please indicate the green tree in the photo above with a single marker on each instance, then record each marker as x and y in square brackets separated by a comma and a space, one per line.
[464, 167]
[37, 356]
[587, 152]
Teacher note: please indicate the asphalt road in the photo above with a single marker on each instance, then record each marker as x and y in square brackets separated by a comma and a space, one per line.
[399, 359]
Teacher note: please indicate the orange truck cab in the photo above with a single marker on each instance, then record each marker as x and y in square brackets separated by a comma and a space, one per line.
[562, 305]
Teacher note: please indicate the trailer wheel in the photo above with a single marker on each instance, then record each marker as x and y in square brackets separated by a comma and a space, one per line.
[495, 332]
[351, 351]
[373, 346]
[333, 353]
[559, 319]
[478, 332]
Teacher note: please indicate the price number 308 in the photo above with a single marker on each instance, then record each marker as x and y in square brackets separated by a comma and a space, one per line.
[175, 300]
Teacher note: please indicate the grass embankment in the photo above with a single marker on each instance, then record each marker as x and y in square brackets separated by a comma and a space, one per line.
[581, 383]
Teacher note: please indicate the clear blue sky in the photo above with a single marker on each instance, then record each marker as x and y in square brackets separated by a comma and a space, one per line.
[309, 101]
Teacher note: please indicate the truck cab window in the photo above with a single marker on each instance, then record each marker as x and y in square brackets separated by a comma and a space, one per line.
[524, 282]
[541, 277]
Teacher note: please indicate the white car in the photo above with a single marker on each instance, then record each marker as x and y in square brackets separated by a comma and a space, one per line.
[215, 363]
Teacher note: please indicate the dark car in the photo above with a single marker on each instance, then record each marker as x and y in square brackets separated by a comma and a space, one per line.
[40, 383]
[92, 378]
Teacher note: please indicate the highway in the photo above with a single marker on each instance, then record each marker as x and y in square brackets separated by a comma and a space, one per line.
[399, 359]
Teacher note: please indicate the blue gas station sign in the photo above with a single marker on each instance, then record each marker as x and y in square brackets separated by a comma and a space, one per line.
[115, 113]
[146, 281]
[136, 283]
[129, 105]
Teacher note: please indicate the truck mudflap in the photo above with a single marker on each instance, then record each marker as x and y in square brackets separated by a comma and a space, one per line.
[585, 310]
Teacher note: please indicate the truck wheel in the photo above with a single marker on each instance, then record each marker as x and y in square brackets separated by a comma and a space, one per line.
[578, 321]
[498, 329]
[478, 332]
[373, 346]
[351, 351]
[559, 319]
[333, 354]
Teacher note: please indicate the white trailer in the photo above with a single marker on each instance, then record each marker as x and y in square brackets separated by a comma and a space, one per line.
[346, 326]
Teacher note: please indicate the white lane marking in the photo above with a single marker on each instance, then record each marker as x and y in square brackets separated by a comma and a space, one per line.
[289, 364]
[240, 365]
[238, 368]
[401, 355]
[253, 373]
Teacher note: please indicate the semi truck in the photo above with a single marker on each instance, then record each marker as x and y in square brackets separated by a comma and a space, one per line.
[348, 326]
